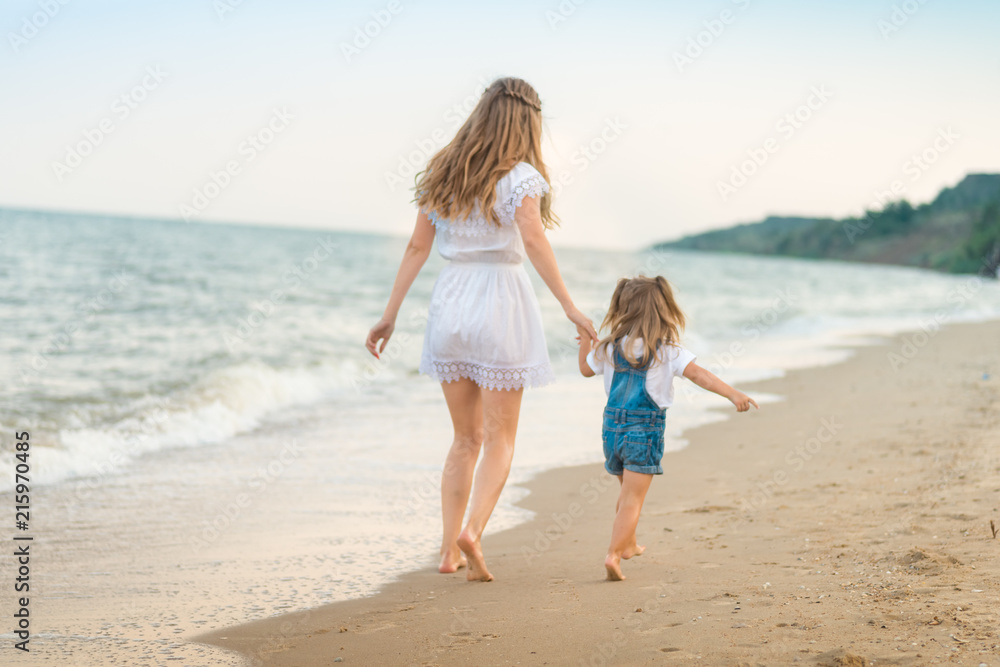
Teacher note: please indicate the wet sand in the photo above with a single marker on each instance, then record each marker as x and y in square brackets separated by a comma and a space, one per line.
[846, 525]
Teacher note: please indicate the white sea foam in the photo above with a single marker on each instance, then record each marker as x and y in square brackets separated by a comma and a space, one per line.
[227, 402]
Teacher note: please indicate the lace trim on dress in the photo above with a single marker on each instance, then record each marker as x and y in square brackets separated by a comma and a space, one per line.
[478, 226]
[532, 186]
[488, 377]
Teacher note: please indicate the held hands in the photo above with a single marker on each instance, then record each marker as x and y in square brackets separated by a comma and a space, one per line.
[382, 331]
[584, 326]
[742, 401]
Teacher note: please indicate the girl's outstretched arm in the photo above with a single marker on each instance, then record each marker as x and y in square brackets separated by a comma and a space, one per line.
[416, 253]
[708, 380]
[529, 220]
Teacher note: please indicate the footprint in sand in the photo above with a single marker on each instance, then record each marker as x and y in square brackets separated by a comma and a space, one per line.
[704, 509]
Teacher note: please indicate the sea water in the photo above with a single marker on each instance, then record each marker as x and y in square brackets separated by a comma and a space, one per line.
[200, 393]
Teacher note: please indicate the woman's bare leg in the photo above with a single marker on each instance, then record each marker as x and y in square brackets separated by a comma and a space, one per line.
[465, 404]
[501, 409]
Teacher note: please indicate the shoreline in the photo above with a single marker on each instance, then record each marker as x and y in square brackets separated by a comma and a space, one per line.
[796, 532]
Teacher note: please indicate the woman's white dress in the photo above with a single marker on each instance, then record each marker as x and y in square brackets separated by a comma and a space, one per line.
[484, 321]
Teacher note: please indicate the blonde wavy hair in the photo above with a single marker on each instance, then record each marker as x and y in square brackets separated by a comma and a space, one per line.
[641, 308]
[505, 128]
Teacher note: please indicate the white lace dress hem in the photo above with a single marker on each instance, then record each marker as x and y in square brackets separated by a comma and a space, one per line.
[489, 377]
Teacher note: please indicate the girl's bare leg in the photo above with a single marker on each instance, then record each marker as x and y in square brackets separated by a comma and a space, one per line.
[634, 548]
[633, 493]
[466, 407]
[501, 409]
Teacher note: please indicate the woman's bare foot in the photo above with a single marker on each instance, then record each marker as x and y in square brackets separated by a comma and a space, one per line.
[613, 565]
[452, 560]
[470, 546]
[633, 550]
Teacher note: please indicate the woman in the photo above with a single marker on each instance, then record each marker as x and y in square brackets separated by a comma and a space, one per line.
[484, 197]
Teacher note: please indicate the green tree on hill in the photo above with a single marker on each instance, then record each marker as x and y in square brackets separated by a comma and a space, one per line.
[895, 218]
[983, 246]
[959, 232]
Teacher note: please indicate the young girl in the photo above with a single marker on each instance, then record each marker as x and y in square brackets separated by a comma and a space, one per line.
[484, 199]
[639, 360]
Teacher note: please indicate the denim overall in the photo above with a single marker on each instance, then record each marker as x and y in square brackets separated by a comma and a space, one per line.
[633, 423]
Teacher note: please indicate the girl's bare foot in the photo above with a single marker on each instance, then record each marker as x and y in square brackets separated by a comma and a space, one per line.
[633, 550]
[613, 565]
[469, 544]
[452, 560]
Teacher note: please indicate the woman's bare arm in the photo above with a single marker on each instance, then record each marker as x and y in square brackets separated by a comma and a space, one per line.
[417, 251]
[529, 221]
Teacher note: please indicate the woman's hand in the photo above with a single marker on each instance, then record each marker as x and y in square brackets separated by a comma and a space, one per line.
[584, 326]
[382, 331]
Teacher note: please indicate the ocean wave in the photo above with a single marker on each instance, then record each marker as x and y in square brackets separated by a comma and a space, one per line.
[227, 402]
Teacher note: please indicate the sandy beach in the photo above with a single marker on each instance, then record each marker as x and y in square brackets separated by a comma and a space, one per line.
[846, 525]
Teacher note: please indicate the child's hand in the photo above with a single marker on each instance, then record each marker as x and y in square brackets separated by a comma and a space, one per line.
[742, 401]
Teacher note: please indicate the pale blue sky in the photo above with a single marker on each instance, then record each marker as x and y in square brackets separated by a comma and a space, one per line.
[671, 134]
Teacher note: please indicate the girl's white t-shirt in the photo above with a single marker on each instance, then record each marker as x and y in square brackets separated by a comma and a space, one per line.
[671, 360]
